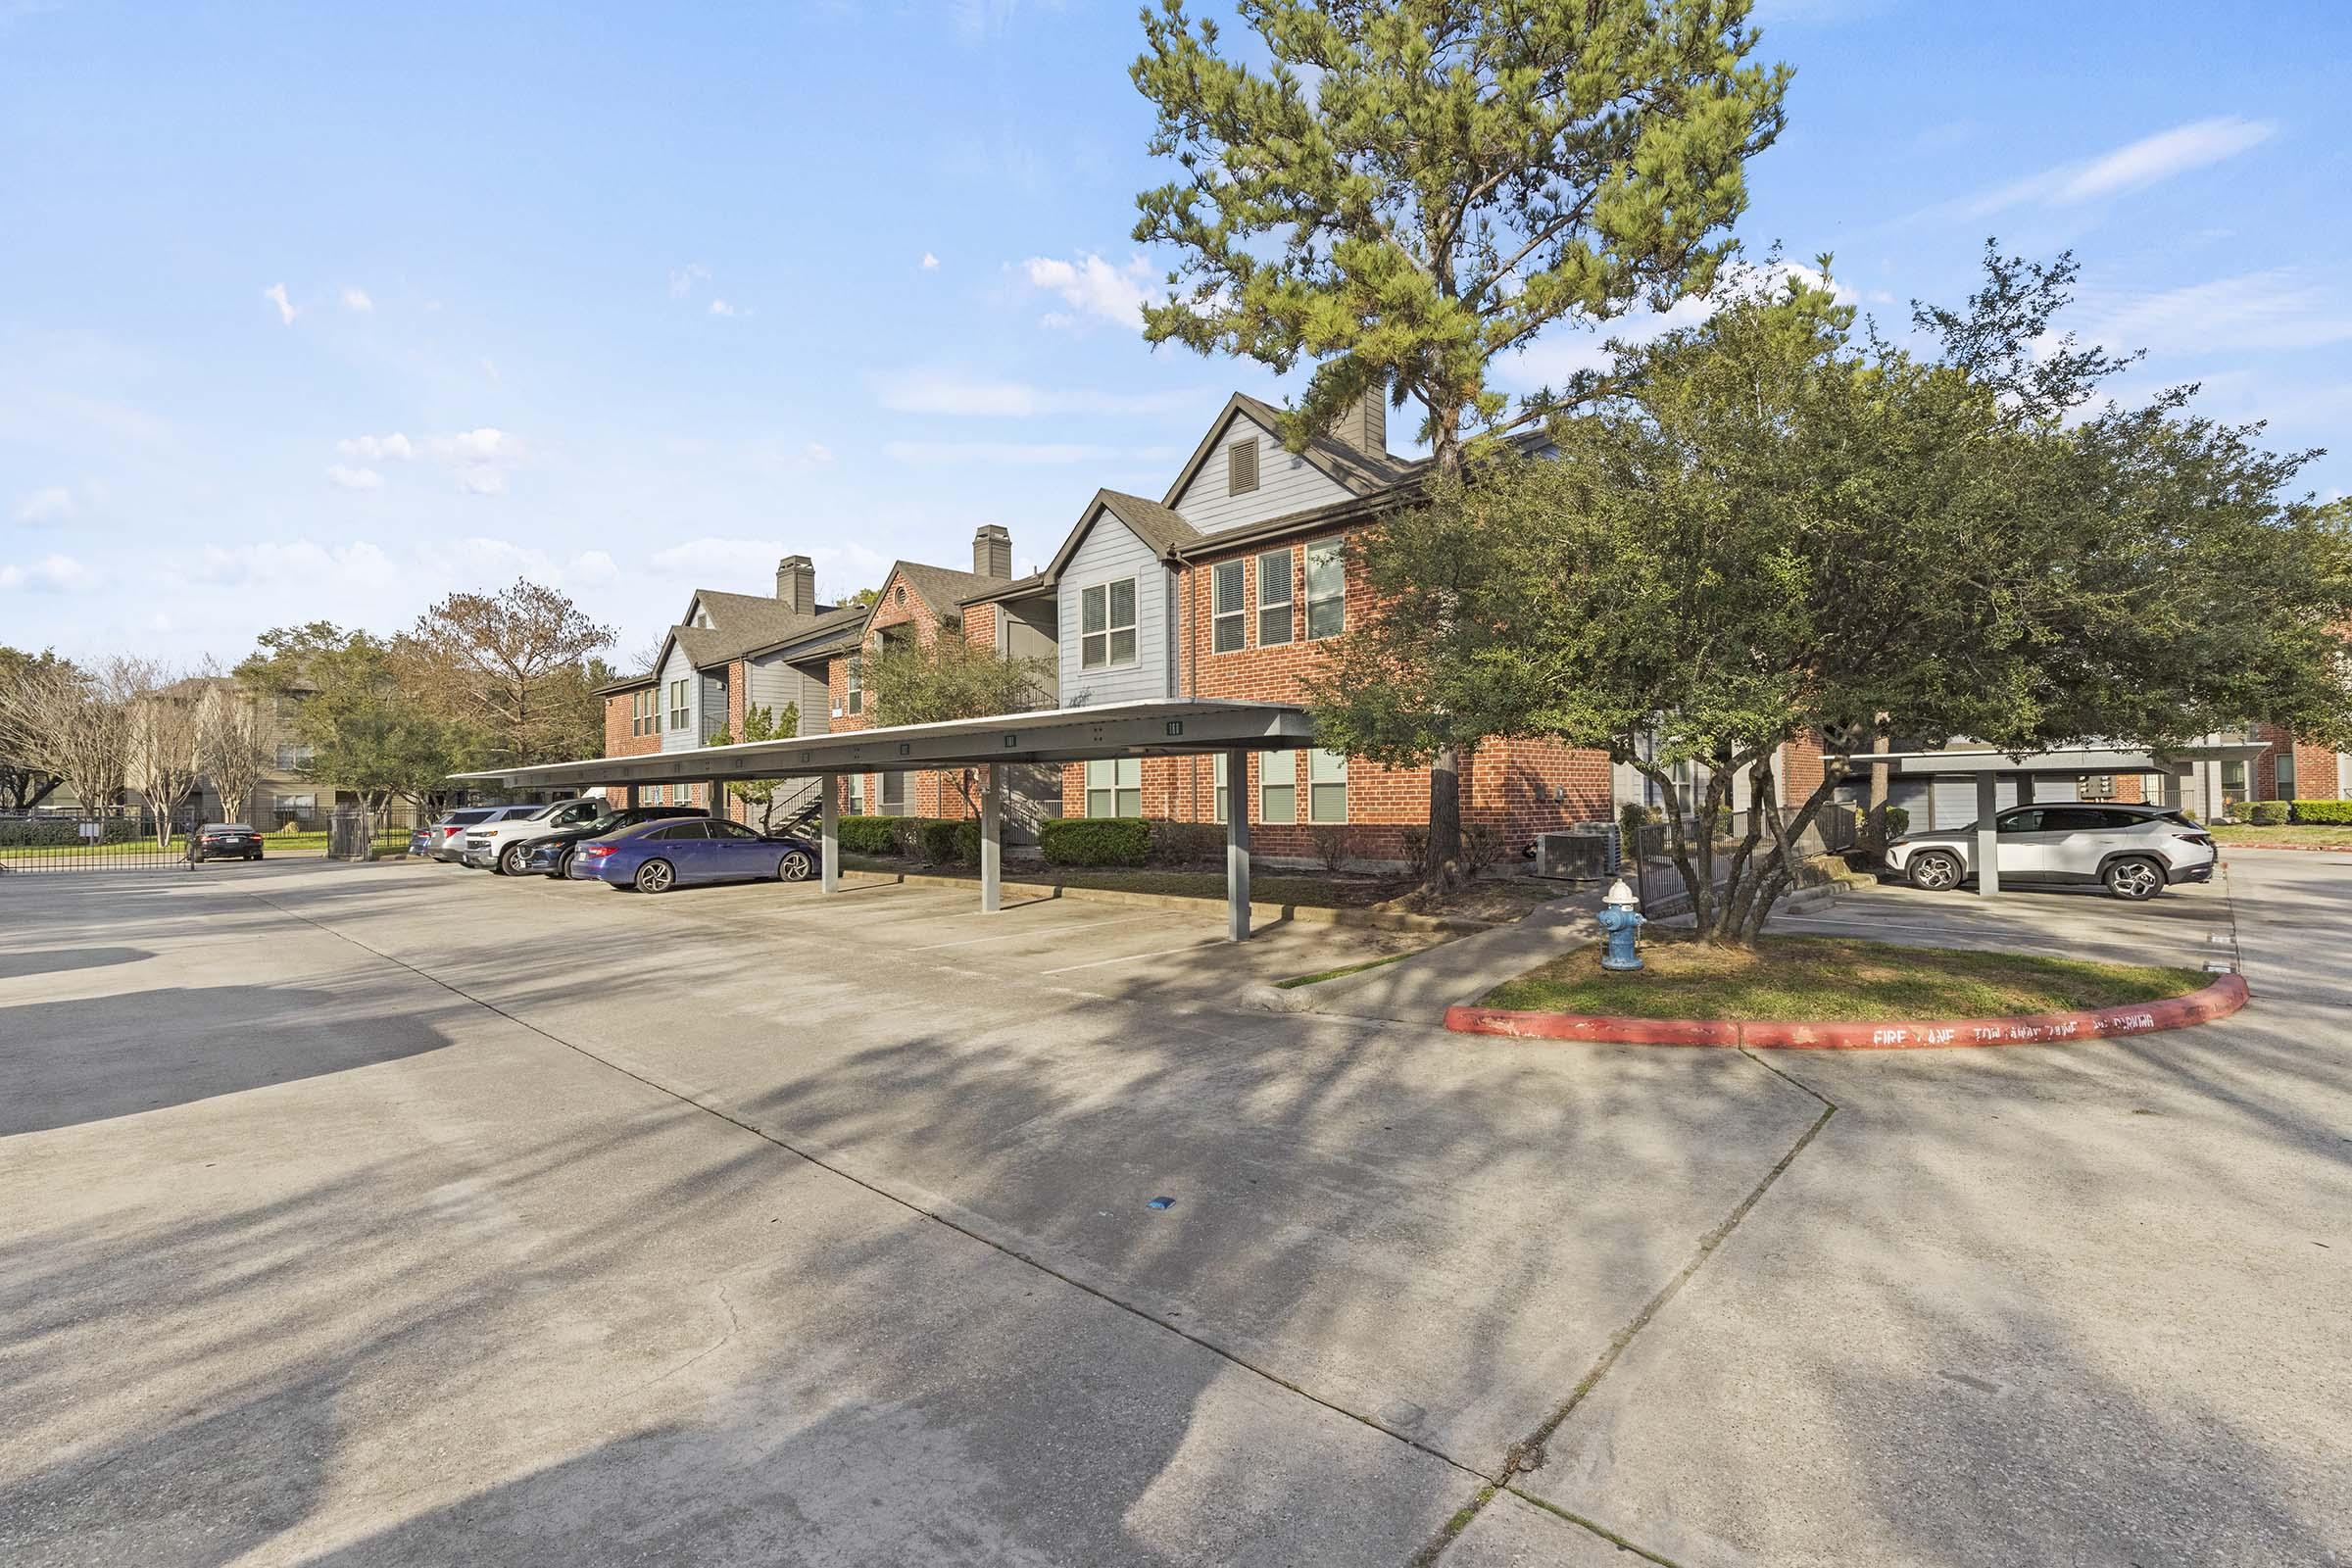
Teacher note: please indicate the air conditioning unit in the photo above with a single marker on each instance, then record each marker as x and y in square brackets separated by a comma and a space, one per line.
[1586, 853]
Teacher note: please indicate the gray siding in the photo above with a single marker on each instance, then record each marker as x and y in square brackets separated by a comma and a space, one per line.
[1286, 483]
[1027, 631]
[679, 668]
[1111, 551]
[1955, 799]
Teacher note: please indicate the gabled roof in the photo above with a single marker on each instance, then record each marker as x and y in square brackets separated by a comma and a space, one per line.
[828, 625]
[1363, 472]
[740, 624]
[1154, 525]
[944, 589]
[1019, 588]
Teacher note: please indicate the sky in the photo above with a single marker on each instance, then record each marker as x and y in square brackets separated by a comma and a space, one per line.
[315, 312]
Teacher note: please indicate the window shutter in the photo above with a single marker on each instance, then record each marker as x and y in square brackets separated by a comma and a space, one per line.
[1241, 467]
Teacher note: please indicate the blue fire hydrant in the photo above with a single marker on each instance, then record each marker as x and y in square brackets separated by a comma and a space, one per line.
[1621, 920]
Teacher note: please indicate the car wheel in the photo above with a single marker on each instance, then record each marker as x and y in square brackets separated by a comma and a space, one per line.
[2134, 879]
[654, 876]
[509, 861]
[563, 870]
[794, 867]
[1934, 871]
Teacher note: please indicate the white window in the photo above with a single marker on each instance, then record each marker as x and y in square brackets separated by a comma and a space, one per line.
[1107, 625]
[1326, 589]
[1273, 598]
[855, 682]
[1228, 621]
[677, 705]
[1114, 787]
[2284, 774]
[644, 712]
[1278, 787]
[857, 794]
[1326, 787]
[1223, 762]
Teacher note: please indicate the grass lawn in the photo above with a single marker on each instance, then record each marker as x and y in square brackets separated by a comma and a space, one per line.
[1499, 899]
[1832, 980]
[2294, 836]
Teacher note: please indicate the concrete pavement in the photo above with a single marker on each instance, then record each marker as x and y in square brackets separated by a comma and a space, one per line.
[399, 1214]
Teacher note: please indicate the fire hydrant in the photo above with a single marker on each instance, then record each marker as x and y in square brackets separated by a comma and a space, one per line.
[1620, 920]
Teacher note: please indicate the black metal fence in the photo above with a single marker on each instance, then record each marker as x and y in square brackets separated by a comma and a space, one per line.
[1658, 882]
[133, 839]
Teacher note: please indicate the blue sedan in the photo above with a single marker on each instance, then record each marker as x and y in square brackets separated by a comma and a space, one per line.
[656, 856]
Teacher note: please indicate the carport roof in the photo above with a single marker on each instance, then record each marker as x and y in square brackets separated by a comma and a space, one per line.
[2086, 759]
[1165, 726]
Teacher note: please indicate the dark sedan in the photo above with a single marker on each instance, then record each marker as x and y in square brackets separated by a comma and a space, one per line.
[552, 854]
[656, 856]
[225, 841]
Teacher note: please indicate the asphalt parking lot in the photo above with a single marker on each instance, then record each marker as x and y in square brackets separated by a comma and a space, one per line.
[2189, 925]
[401, 1215]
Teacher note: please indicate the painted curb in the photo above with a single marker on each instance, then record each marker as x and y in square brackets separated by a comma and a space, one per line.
[2217, 1001]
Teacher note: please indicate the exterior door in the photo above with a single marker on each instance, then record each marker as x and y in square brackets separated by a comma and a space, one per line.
[686, 849]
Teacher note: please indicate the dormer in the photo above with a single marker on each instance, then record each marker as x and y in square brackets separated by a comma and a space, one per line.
[1241, 473]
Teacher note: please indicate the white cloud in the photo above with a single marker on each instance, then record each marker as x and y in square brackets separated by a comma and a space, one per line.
[276, 294]
[930, 262]
[480, 479]
[51, 572]
[302, 564]
[355, 299]
[2276, 309]
[722, 308]
[593, 565]
[1092, 287]
[948, 392]
[377, 448]
[486, 442]
[354, 479]
[50, 504]
[2195, 145]
[682, 279]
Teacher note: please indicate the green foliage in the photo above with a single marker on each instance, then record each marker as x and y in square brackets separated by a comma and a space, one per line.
[2332, 814]
[948, 841]
[365, 731]
[49, 832]
[1095, 840]
[2268, 814]
[1899, 820]
[763, 723]
[1631, 817]
[869, 835]
[1778, 527]
[947, 678]
[1410, 188]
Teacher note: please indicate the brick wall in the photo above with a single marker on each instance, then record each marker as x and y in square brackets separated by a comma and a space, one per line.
[1519, 787]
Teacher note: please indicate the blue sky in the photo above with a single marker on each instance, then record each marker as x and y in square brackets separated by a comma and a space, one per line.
[320, 312]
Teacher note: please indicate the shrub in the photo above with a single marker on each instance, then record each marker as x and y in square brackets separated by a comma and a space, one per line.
[2336, 814]
[2266, 814]
[1482, 846]
[39, 831]
[1185, 843]
[1095, 840]
[869, 835]
[1416, 848]
[1631, 817]
[949, 841]
[1898, 821]
[1331, 844]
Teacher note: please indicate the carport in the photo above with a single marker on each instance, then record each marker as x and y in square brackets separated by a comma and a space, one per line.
[1987, 769]
[1161, 727]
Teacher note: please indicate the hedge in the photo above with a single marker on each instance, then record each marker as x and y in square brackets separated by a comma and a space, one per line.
[1095, 840]
[2266, 814]
[950, 841]
[50, 831]
[869, 835]
[2334, 813]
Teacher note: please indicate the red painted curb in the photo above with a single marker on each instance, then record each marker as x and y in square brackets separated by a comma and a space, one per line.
[2217, 1001]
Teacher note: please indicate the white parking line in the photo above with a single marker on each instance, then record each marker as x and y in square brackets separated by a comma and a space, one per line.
[1046, 931]
[1130, 958]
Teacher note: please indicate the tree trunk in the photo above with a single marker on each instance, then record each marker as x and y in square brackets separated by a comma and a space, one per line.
[1445, 820]
[1875, 837]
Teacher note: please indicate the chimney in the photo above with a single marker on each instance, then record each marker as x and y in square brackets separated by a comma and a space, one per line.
[796, 584]
[992, 552]
[1365, 424]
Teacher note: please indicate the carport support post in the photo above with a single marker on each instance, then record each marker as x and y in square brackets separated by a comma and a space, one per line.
[1237, 846]
[992, 841]
[828, 827]
[1988, 863]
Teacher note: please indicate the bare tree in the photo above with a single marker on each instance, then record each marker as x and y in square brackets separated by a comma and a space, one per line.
[166, 753]
[72, 723]
[513, 664]
[235, 744]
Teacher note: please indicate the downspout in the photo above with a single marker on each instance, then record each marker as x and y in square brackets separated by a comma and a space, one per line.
[1192, 679]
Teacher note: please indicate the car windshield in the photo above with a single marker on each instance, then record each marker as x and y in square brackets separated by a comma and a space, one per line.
[462, 818]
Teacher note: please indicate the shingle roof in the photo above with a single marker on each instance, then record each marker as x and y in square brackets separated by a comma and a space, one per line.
[1360, 472]
[1156, 525]
[944, 588]
[844, 619]
[1017, 588]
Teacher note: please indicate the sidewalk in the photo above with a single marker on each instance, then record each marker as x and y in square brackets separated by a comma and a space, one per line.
[1420, 989]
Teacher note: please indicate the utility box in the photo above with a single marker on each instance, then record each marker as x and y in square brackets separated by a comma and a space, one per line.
[1586, 853]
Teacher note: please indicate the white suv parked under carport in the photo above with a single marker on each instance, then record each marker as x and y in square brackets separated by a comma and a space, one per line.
[485, 842]
[2136, 851]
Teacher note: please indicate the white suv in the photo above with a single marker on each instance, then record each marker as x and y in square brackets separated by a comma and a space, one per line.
[2136, 851]
[486, 841]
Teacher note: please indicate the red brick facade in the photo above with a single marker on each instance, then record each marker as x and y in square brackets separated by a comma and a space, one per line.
[930, 793]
